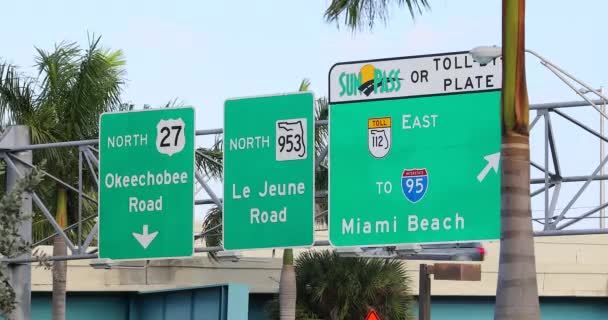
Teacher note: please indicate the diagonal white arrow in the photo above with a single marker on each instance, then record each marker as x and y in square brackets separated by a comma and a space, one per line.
[144, 238]
[493, 160]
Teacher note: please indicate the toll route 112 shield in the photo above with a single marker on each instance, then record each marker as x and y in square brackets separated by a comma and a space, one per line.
[379, 136]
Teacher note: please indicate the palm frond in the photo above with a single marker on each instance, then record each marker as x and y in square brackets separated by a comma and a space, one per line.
[304, 85]
[210, 160]
[19, 104]
[213, 229]
[73, 87]
[174, 103]
[96, 89]
[57, 71]
[16, 95]
[321, 113]
[212, 220]
[78, 86]
[359, 14]
[322, 172]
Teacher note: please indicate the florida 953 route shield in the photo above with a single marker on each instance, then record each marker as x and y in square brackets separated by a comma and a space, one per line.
[414, 148]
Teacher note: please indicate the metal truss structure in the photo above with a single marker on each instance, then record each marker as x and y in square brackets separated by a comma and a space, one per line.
[17, 154]
[553, 221]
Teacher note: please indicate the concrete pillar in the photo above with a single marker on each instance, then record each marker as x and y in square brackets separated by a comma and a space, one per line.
[20, 274]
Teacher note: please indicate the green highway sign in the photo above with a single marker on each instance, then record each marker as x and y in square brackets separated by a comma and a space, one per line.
[414, 150]
[146, 184]
[268, 172]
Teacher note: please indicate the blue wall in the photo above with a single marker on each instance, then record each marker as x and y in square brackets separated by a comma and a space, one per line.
[176, 305]
[223, 302]
[91, 306]
[482, 308]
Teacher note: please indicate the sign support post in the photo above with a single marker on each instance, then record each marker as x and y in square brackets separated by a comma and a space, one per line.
[424, 292]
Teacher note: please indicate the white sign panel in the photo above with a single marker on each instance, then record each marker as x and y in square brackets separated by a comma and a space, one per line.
[427, 75]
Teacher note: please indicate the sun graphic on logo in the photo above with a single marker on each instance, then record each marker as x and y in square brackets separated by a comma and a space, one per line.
[368, 83]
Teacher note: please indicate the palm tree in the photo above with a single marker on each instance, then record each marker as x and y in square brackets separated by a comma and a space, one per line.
[209, 161]
[517, 292]
[364, 283]
[73, 87]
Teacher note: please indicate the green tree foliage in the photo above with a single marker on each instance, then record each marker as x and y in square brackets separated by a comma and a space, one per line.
[73, 87]
[359, 14]
[11, 244]
[337, 288]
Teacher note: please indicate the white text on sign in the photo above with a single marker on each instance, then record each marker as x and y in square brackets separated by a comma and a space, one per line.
[414, 224]
[276, 215]
[170, 140]
[473, 82]
[128, 141]
[419, 121]
[247, 143]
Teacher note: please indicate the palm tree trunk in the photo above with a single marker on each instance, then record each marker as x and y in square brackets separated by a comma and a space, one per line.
[287, 287]
[60, 267]
[517, 292]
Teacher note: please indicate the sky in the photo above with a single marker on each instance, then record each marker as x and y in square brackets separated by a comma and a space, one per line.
[203, 52]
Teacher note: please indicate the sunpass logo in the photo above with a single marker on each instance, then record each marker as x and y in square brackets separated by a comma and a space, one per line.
[370, 80]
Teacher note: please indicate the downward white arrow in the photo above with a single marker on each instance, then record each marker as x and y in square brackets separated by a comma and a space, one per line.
[144, 238]
[492, 160]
